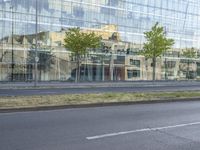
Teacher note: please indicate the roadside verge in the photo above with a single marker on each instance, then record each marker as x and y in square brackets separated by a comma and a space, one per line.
[48, 102]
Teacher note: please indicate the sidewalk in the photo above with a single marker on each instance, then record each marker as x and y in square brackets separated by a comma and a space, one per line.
[24, 85]
[6, 85]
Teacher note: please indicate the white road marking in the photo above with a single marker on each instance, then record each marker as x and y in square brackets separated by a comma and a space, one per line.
[140, 130]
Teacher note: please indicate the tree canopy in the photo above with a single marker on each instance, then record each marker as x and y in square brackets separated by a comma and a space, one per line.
[156, 42]
[79, 43]
[189, 53]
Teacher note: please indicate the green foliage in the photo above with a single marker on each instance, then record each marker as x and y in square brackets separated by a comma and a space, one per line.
[79, 42]
[156, 42]
[189, 53]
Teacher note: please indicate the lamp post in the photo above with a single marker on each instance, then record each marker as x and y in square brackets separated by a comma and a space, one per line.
[12, 43]
[165, 32]
[36, 42]
[111, 66]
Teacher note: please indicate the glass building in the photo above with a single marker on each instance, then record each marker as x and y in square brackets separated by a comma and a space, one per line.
[121, 23]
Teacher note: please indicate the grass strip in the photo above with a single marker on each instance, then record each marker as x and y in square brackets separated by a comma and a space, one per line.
[78, 99]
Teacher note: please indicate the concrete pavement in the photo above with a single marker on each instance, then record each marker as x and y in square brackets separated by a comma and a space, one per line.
[176, 127]
[80, 88]
[54, 84]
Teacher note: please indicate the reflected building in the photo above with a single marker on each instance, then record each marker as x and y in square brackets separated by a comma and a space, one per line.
[121, 25]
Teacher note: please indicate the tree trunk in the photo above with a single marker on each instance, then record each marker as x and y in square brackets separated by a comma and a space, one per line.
[165, 69]
[103, 78]
[154, 68]
[85, 64]
[146, 67]
[77, 69]
[111, 67]
[76, 78]
[188, 66]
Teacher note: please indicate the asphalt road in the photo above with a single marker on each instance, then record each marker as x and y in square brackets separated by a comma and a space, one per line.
[103, 88]
[161, 126]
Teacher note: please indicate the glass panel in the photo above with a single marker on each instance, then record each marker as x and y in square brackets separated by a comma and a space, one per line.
[120, 23]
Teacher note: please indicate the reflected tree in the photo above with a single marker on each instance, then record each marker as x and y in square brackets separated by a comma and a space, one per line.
[156, 44]
[189, 53]
[79, 43]
[46, 59]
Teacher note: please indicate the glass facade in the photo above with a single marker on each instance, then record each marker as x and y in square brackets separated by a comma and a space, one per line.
[121, 23]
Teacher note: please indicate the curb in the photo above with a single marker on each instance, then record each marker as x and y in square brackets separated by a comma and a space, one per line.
[48, 108]
[90, 86]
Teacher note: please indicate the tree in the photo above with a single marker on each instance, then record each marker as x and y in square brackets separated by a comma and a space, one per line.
[79, 43]
[44, 53]
[189, 53]
[46, 59]
[156, 44]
